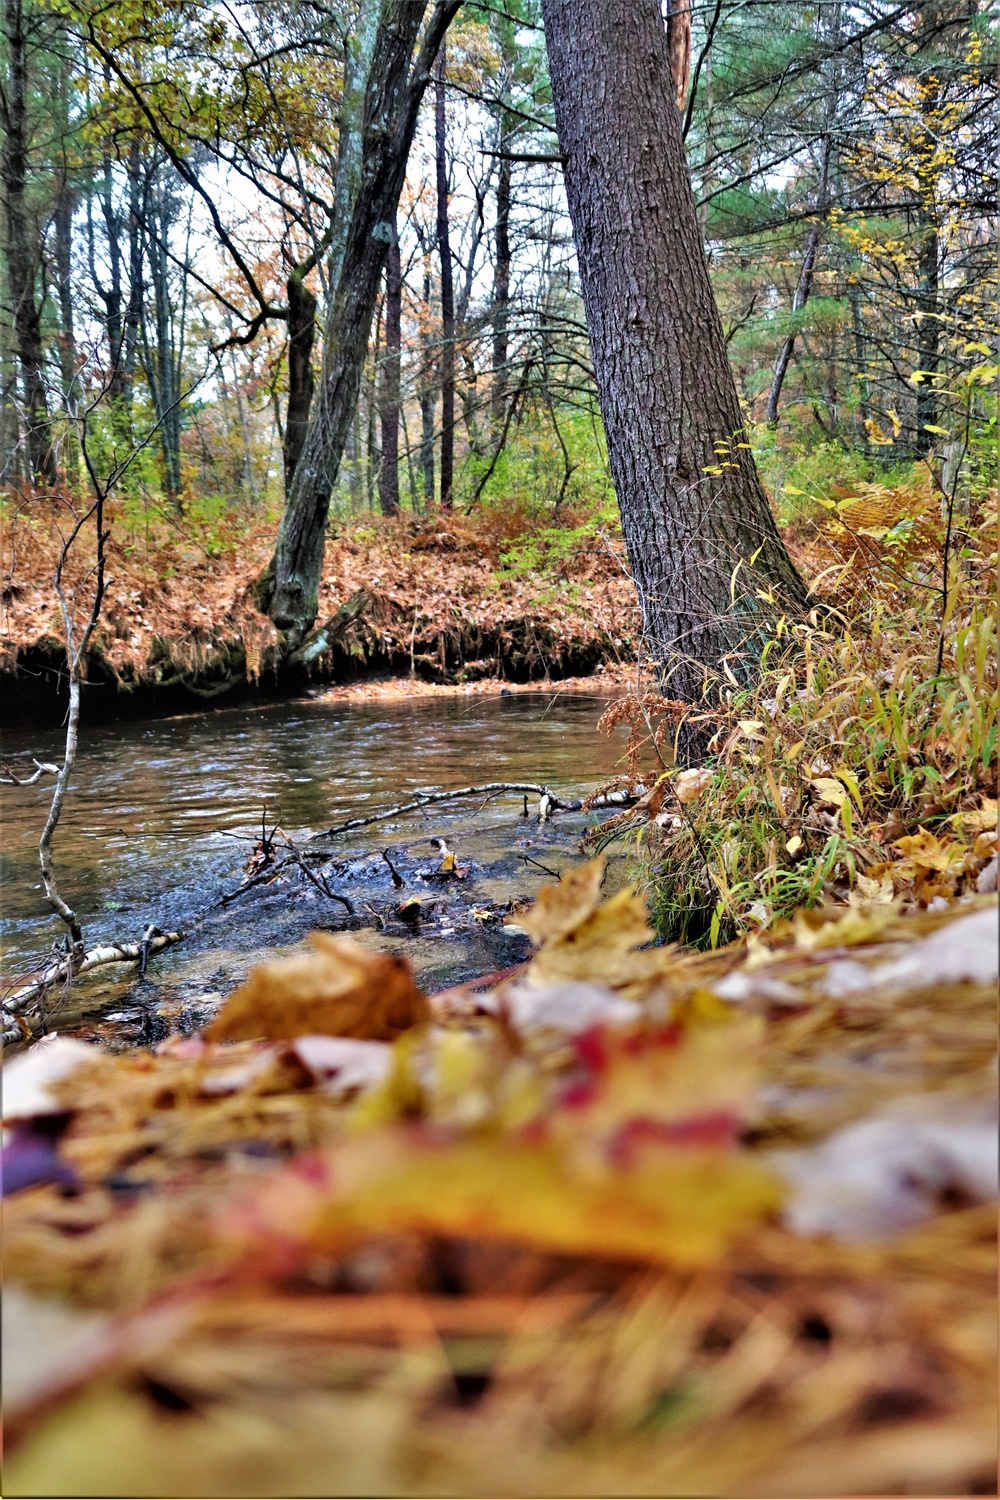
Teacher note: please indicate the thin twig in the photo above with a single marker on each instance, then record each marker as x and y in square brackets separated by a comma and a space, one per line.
[428, 799]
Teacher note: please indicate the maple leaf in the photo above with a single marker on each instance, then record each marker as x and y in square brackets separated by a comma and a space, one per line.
[340, 989]
[671, 1205]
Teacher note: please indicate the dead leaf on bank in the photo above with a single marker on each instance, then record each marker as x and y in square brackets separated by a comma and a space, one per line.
[928, 852]
[340, 989]
[981, 820]
[689, 785]
[856, 924]
[563, 907]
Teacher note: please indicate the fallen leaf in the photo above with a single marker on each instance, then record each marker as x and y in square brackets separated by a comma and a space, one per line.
[829, 790]
[852, 926]
[340, 989]
[671, 1205]
[928, 852]
[560, 908]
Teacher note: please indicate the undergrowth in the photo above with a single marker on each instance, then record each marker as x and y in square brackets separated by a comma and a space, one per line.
[862, 767]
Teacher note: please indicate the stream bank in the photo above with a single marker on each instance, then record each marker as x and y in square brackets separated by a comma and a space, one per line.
[445, 602]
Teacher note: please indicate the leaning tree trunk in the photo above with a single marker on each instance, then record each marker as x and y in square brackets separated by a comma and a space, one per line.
[710, 567]
[290, 587]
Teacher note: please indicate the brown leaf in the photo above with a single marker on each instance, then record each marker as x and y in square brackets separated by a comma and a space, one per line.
[340, 989]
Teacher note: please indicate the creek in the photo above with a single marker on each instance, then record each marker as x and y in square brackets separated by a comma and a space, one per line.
[163, 815]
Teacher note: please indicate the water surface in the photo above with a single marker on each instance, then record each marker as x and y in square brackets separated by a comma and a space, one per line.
[162, 815]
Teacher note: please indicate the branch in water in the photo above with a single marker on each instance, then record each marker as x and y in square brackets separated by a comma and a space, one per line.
[45, 768]
[71, 966]
[428, 799]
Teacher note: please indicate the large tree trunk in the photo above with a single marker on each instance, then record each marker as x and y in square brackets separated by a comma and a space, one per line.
[447, 285]
[290, 588]
[24, 250]
[388, 478]
[710, 567]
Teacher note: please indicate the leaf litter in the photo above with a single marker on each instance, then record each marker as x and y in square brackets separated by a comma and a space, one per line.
[633, 1221]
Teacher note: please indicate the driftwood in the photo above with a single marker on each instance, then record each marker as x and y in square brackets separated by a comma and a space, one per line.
[71, 965]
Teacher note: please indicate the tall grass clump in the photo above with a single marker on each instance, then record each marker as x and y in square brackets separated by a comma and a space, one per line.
[862, 767]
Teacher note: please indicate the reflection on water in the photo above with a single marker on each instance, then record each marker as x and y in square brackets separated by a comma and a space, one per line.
[146, 832]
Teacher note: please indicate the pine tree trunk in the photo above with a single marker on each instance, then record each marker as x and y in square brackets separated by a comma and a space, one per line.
[447, 286]
[388, 479]
[702, 541]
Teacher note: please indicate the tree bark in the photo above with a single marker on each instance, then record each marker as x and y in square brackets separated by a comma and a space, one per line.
[24, 250]
[290, 588]
[447, 285]
[301, 336]
[710, 567]
[388, 479]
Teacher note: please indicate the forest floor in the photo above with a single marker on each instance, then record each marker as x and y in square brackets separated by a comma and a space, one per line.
[453, 600]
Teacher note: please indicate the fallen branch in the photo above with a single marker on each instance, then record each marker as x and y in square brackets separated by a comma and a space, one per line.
[428, 799]
[45, 768]
[322, 638]
[71, 966]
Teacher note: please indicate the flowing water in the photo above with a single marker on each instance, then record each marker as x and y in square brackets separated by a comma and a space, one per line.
[162, 817]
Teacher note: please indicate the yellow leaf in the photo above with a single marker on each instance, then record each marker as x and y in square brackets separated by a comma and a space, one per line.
[979, 819]
[929, 852]
[828, 789]
[851, 782]
[601, 948]
[670, 1205]
[853, 927]
[562, 907]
